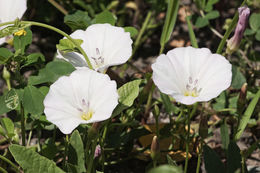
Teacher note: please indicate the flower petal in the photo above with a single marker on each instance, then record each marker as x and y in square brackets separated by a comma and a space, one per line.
[11, 9]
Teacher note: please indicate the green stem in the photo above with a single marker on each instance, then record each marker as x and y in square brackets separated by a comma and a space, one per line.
[102, 146]
[22, 125]
[29, 138]
[199, 157]
[157, 126]
[139, 36]
[91, 157]
[187, 144]
[154, 163]
[10, 163]
[58, 31]
[228, 31]
[243, 164]
[3, 170]
[66, 152]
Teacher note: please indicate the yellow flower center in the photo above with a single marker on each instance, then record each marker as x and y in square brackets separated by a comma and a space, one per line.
[20, 33]
[191, 93]
[87, 116]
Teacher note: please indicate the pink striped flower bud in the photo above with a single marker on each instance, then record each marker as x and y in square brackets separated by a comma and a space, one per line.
[234, 42]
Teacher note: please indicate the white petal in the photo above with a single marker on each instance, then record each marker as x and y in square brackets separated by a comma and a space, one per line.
[64, 102]
[11, 9]
[217, 78]
[76, 59]
[165, 76]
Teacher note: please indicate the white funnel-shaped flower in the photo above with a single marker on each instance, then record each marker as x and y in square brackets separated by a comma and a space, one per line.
[191, 75]
[104, 44]
[85, 96]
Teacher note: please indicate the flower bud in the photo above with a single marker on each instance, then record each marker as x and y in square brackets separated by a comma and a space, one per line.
[203, 128]
[155, 148]
[234, 42]
[6, 74]
[93, 131]
[97, 151]
[242, 98]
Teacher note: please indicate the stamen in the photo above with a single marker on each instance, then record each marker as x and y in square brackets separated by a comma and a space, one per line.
[79, 109]
[188, 87]
[87, 116]
[195, 82]
[97, 51]
[190, 80]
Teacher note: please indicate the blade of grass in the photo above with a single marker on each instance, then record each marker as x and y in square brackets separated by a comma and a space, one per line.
[246, 117]
[193, 39]
[171, 15]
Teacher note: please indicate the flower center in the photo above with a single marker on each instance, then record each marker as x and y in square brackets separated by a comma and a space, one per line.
[192, 88]
[86, 113]
[98, 59]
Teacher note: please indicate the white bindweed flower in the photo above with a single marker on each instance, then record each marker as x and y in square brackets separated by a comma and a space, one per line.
[85, 96]
[191, 75]
[10, 10]
[104, 44]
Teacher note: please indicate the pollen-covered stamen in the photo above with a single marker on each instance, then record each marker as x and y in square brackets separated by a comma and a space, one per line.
[85, 112]
[192, 88]
[99, 60]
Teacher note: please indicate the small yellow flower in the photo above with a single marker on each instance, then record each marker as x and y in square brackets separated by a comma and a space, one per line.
[20, 33]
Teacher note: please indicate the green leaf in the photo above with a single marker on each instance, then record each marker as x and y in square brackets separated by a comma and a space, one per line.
[105, 17]
[249, 32]
[224, 135]
[49, 149]
[132, 30]
[201, 22]
[210, 4]
[32, 59]
[51, 72]
[212, 161]
[76, 152]
[254, 21]
[169, 107]
[127, 94]
[33, 100]
[193, 39]
[247, 115]
[32, 162]
[11, 99]
[212, 15]
[233, 157]
[3, 108]
[8, 126]
[257, 36]
[220, 102]
[65, 45]
[78, 20]
[171, 15]
[5, 54]
[166, 169]
[21, 42]
[238, 78]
